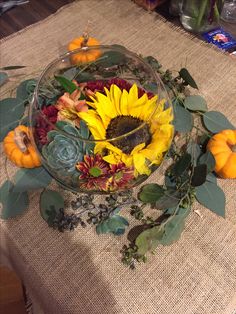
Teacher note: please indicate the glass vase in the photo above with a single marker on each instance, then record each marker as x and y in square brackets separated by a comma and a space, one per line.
[101, 126]
[200, 15]
[175, 7]
[228, 13]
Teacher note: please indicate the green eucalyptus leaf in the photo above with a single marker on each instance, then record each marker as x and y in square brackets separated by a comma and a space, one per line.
[171, 198]
[13, 67]
[194, 150]
[11, 111]
[195, 103]
[82, 77]
[30, 87]
[50, 204]
[31, 179]
[209, 160]
[111, 58]
[211, 178]
[183, 120]
[122, 220]
[3, 78]
[102, 227]
[149, 239]
[215, 122]
[199, 175]
[114, 224]
[24, 89]
[182, 164]
[170, 181]
[212, 197]
[70, 73]
[151, 87]
[203, 140]
[13, 203]
[68, 85]
[151, 193]
[174, 227]
[186, 76]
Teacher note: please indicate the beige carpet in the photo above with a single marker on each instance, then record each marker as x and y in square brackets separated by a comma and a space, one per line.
[81, 272]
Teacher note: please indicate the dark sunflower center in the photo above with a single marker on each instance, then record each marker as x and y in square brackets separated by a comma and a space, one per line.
[121, 125]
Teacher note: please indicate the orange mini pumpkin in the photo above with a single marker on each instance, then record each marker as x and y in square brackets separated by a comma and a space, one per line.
[223, 148]
[85, 55]
[19, 150]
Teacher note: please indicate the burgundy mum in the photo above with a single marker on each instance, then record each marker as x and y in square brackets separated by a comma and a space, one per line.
[98, 86]
[42, 126]
[121, 176]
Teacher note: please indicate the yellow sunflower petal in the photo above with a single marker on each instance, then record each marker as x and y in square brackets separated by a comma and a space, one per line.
[113, 148]
[137, 148]
[124, 104]
[149, 108]
[92, 103]
[132, 96]
[105, 107]
[164, 132]
[140, 164]
[166, 116]
[139, 106]
[99, 147]
[94, 123]
[111, 159]
[159, 109]
[115, 95]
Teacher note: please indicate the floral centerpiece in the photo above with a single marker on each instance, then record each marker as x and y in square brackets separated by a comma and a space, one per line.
[97, 125]
[101, 121]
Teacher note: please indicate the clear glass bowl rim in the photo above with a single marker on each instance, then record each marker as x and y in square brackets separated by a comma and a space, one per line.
[101, 47]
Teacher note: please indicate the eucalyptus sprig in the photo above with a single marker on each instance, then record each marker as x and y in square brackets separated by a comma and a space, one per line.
[191, 175]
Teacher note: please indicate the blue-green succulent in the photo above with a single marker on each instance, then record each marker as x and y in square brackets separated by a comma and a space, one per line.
[63, 152]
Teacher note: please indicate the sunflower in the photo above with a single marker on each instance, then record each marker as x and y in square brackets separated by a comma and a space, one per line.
[118, 112]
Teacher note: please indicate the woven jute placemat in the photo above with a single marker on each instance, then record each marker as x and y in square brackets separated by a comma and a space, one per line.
[81, 272]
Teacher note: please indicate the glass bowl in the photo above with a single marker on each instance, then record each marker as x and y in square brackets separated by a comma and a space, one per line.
[101, 119]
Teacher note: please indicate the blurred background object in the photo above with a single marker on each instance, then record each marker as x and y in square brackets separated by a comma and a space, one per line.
[7, 5]
[228, 13]
[149, 4]
[175, 7]
[201, 15]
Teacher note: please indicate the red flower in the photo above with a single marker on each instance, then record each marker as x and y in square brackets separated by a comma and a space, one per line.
[99, 184]
[121, 176]
[42, 126]
[93, 167]
[98, 86]
[97, 174]
[51, 113]
[94, 173]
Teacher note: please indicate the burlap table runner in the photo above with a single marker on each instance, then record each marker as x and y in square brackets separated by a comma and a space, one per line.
[81, 272]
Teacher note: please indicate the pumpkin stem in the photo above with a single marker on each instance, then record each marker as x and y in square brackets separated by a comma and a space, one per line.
[22, 140]
[86, 35]
[233, 148]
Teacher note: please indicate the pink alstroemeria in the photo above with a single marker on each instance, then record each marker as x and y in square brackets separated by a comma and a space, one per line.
[69, 105]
